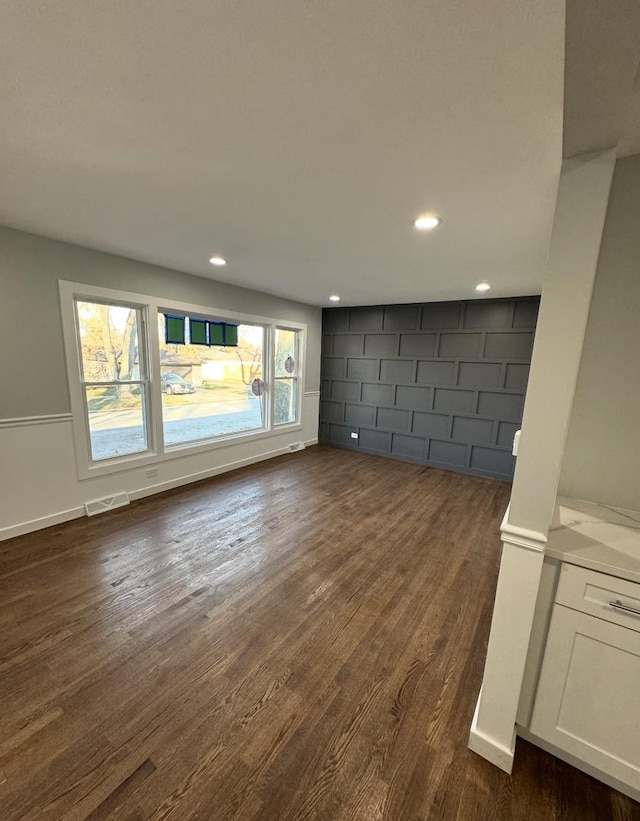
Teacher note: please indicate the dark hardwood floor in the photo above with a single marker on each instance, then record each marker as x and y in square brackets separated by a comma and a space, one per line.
[303, 639]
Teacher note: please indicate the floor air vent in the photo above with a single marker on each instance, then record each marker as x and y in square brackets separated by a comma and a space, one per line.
[108, 503]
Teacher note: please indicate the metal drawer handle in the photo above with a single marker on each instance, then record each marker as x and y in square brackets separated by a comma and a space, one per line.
[618, 605]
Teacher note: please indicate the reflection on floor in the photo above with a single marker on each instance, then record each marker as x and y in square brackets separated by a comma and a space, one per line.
[300, 639]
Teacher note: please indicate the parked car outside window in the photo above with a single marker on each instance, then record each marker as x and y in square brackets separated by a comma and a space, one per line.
[172, 383]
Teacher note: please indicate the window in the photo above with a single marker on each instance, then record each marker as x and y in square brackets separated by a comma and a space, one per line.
[114, 380]
[152, 380]
[207, 391]
[285, 401]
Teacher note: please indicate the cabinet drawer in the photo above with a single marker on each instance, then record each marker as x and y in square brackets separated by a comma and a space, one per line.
[607, 597]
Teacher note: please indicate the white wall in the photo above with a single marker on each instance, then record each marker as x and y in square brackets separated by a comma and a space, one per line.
[40, 485]
[602, 457]
[38, 475]
[30, 267]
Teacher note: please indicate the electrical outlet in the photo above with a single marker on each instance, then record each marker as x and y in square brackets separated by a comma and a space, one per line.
[152, 472]
[354, 434]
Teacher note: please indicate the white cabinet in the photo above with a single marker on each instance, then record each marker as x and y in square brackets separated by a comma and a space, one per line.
[587, 702]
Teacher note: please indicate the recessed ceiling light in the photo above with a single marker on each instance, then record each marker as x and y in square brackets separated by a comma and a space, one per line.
[334, 298]
[426, 222]
[218, 260]
[483, 286]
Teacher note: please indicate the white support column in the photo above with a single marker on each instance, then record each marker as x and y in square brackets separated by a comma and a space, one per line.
[583, 196]
[575, 244]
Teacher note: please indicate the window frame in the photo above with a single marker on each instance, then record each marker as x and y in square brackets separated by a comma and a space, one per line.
[144, 380]
[295, 377]
[180, 449]
[148, 309]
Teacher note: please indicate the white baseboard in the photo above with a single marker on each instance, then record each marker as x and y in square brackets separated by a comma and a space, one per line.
[482, 744]
[76, 512]
[207, 474]
[41, 523]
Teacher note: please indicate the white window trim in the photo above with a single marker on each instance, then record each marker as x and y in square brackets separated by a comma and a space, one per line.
[297, 376]
[150, 307]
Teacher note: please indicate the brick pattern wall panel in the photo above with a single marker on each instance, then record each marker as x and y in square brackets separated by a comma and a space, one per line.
[500, 405]
[334, 367]
[480, 374]
[452, 401]
[340, 434]
[435, 373]
[411, 447]
[361, 369]
[506, 432]
[526, 314]
[380, 344]
[396, 370]
[466, 429]
[347, 345]
[457, 345]
[336, 322]
[412, 398]
[344, 390]
[393, 419]
[440, 316]
[417, 344]
[401, 318]
[509, 346]
[439, 384]
[516, 377]
[331, 411]
[490, 460]
[366, 319]
[360, 415]
[487, 315]
[374, 440]
[431, 424]
[377, 394]
[448, 453]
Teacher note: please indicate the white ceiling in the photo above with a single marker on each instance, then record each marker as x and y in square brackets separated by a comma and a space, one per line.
[298, 138]
[602, 54]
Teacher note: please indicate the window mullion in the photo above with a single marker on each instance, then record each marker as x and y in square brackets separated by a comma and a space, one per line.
[155, 395]
[270, 370]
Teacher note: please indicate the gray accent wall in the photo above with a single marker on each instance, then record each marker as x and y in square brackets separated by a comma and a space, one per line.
[440, 384]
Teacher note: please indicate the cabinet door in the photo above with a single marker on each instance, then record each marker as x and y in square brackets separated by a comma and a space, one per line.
[588, 697]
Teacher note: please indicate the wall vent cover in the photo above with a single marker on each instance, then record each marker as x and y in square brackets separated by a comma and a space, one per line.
[296, 446]
[108, 503]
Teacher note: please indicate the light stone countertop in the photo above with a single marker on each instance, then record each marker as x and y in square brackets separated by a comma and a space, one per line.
[598, 537]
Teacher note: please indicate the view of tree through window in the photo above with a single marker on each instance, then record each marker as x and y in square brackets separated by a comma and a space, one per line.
[137, 399]
[114, 393]
[286, 379]
[207, 391]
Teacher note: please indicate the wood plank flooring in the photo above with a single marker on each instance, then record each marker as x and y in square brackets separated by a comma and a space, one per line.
[302, 639]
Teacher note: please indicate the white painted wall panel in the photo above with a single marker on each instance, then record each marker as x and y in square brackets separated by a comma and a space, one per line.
[39, 479]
